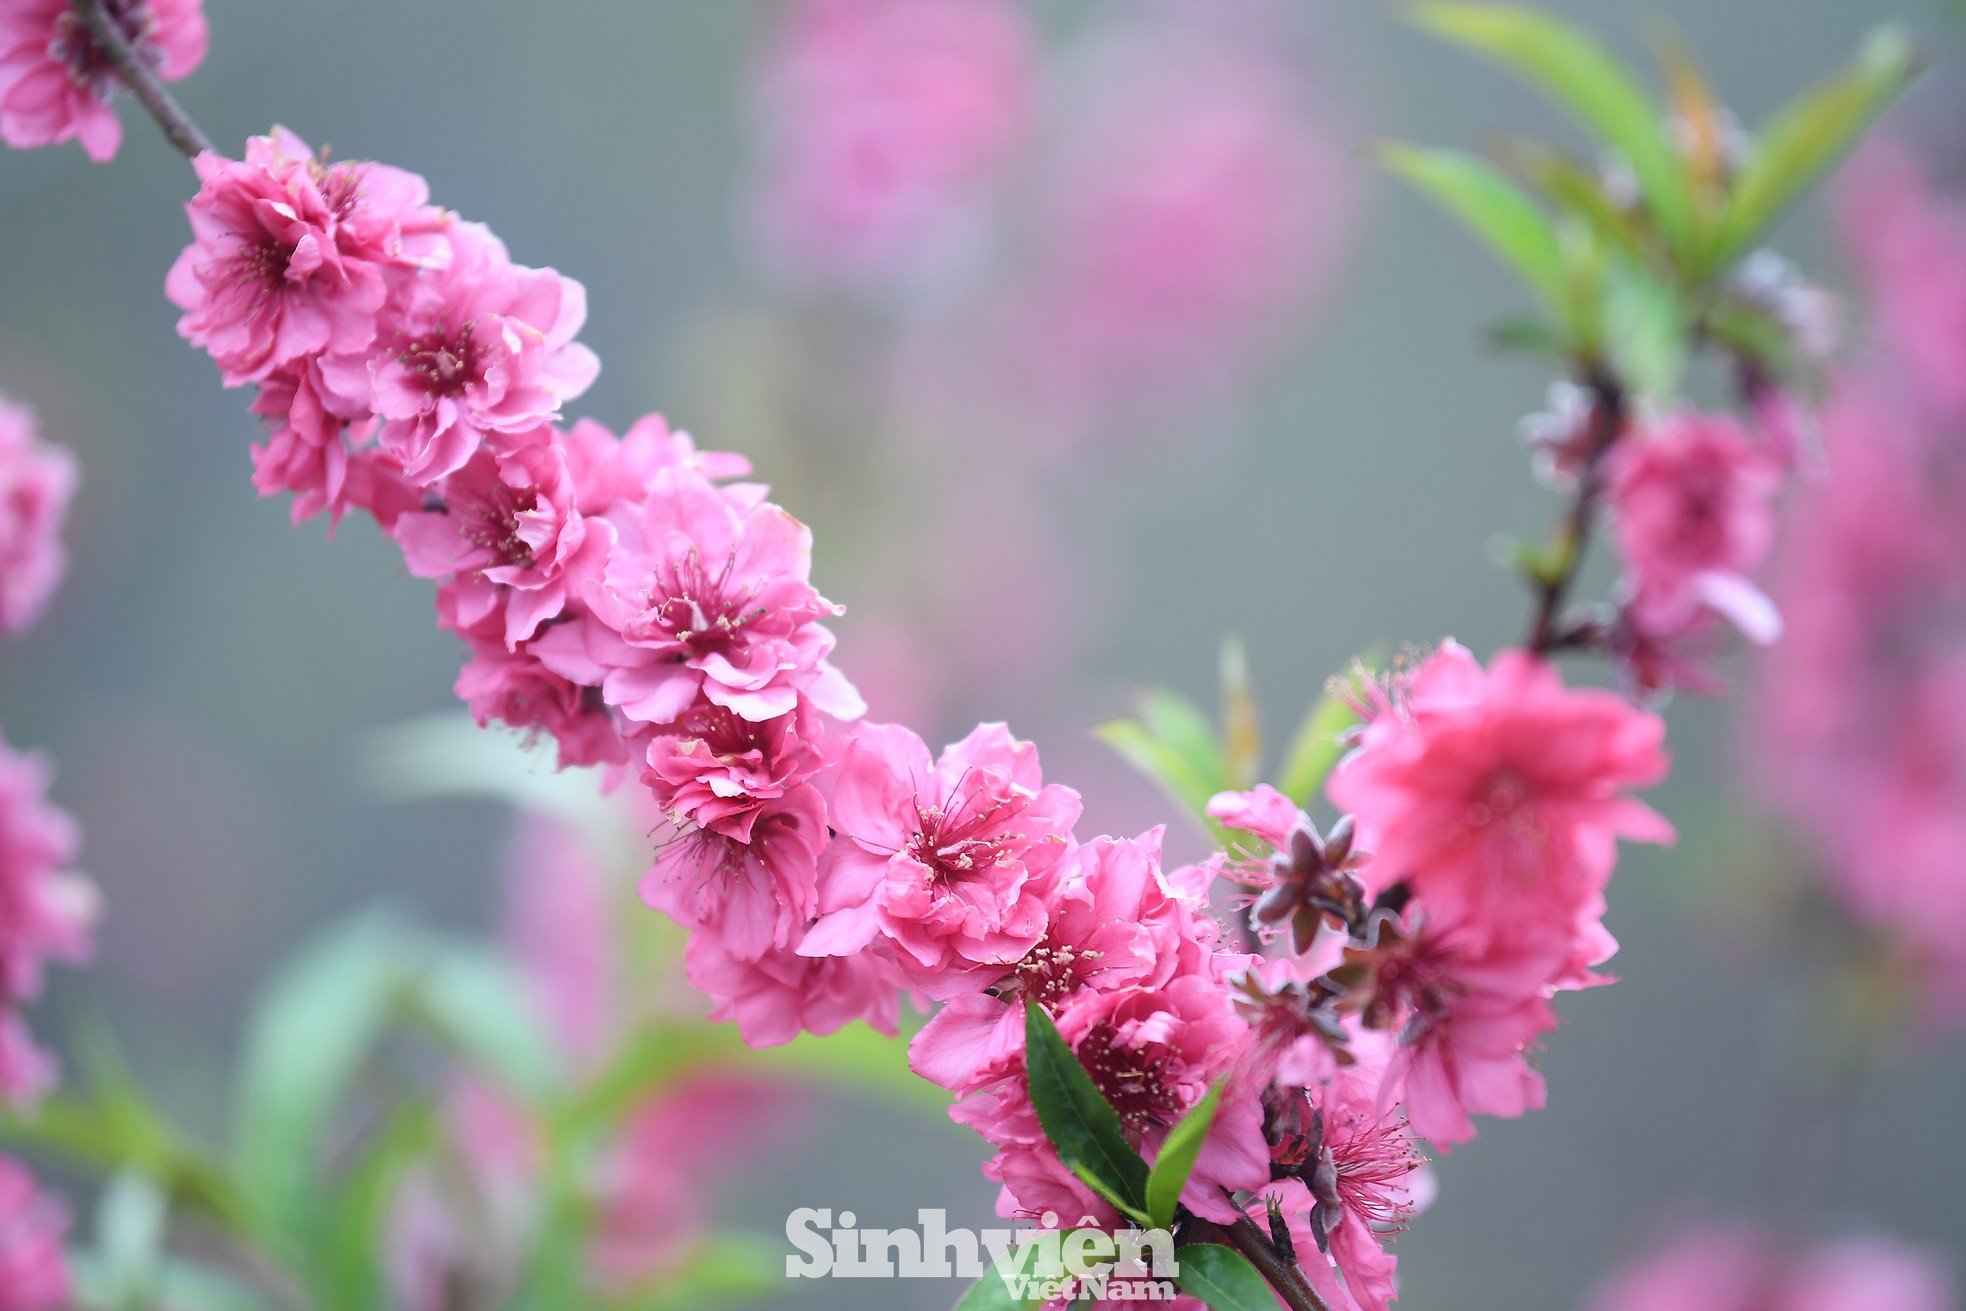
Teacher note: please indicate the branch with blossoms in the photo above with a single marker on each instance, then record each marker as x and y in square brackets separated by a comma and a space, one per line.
[640, 604]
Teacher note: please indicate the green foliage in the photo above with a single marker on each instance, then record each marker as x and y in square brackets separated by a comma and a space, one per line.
[1498, 210]
[1081, 1124]
[1633, 286]
[1316, 748]
[305, 1043]
[1173, 744]
[991, 1293]
[1579, 74]
[1177, 1159]
[1802, 140]
[1223, 1278]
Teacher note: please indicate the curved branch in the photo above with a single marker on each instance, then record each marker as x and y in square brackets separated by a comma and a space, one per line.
[141, 79]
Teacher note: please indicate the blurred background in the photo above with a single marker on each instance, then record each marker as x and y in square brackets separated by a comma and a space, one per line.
[1163, 362]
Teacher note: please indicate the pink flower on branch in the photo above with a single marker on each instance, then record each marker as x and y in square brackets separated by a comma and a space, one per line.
[706, 594]
[940, 861]
[1499, 794]
[56, 82]
[293, 257]
[474, 349]
[1693, 504]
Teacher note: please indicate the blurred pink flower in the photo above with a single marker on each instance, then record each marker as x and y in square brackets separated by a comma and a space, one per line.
[1860, 723]
[1738, 1268]
[881, 123]
[33, 1269]
[1910, 245]
[660, 1175]
[1193, 209]
[37, 480]
[1693, 506]
[47, 910]
[562, 918]
[56, 83]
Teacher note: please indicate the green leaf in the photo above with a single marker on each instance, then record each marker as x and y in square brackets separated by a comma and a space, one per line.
[1165, 746]
[1498, 211]
[1646, 330]
[180, 1285]
[1223, 1278]
[1177, 1159]
[1316, 748]
[1523, 335]
[1577, 72]
[991, 1293]
[722, 1268]
[305, 1042]
[1081, 1124]
[1809, 134]
[130, 1218]
[1578, 193]
[474, 1000]
[1242, 732]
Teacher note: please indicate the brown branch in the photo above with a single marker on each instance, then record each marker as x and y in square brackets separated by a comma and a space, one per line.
[1280, 1270]
[141, 79]
[1547, 630]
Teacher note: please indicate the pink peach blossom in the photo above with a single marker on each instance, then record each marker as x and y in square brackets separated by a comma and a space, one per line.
[37, 480]
[291, 256]
[941, 861]
[719, 770]
[56, 83]
[33, 1268]
[509, 687]
[1112, 922]
[47, 910]
[755, 895]
[705, 594]
[1153, 1052]
[1692, 500]
[510, 541]
[1499, 795]
[473, 348]
[779, 995]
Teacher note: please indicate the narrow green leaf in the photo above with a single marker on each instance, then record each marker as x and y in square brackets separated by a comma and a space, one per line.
[1527, 336]
[1578, 192]
[1185, 782]
[1242, 730]
[475, 1001]
[1316, 748]
[1180, 723]
[304, 1043]
[1498, 211]
[991, 1293]
[1223, 1278]
[1081, 1124]
[1647, 332]
[1578, 73]
[720, 1269]
[1177, 1159]
[1809, 134]
[130, 1218]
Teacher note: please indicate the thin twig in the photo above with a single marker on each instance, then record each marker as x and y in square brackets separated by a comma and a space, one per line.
[141, 79]
[1547, 630]
[1279, 1270]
